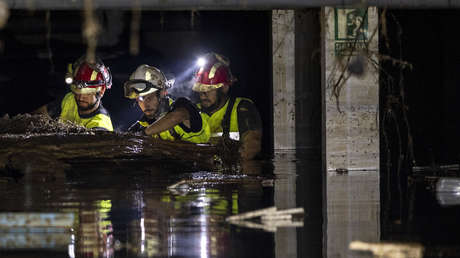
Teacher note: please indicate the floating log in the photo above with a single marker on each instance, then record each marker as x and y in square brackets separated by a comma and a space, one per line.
[412, 250]
[42, 144]
[252, 214]
[271, 218]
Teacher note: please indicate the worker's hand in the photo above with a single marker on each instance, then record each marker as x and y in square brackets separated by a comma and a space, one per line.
[139, 133]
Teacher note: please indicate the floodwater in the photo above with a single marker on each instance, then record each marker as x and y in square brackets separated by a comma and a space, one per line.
[116, 209]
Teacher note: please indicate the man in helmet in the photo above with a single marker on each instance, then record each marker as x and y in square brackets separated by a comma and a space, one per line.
[163, 117]
[230, 117]
[82, 105]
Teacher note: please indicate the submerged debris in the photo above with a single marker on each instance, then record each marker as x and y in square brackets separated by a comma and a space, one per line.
[199, 180]
[403, 250]
[270, 218]
[39, 143]
[37, 124]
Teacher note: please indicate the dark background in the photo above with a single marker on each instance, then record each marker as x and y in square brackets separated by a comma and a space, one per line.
[420, 102]
[429, 42]
[35, 50]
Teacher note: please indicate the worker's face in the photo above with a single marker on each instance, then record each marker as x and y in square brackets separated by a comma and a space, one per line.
[149, 104]
[86, 101]
[213, 99]
[208, 98]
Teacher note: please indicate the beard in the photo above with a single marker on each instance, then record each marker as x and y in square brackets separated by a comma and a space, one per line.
[150, 113]
[220, 101]
[89, 107]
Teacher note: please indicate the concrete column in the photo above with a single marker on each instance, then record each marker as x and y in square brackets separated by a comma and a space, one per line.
[353, 212]
[285, 198]
[351, 134]
[283, 47]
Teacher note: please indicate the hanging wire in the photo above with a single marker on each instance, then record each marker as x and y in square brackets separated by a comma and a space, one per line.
[90, 31]
[48, 40]
[4, 14]
[135, 28]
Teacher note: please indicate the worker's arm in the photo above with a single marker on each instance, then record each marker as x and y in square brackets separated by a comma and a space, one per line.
[250, 144]
[183, 113]
[168, 121]
[250, 128]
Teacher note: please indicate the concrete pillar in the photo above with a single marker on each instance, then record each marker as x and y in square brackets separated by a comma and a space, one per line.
[285, 198]
[353, 212]
[351, 134]
[283, 47]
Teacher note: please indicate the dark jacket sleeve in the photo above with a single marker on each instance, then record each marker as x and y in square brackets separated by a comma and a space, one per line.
[248, 117]
[194, 114]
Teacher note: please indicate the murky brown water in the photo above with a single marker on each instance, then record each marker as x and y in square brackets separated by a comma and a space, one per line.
[120, 209]
[141, 208]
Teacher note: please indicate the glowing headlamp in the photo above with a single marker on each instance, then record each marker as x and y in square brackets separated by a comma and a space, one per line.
[69, 74]
[201, 62]
[68, 79]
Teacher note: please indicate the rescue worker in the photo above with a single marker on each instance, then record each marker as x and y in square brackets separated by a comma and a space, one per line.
[162, 117]
[83, 105]
[228, 116]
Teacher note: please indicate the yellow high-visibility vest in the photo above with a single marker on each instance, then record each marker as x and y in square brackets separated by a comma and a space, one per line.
[215, 120]
[201, 136]
[69, 112]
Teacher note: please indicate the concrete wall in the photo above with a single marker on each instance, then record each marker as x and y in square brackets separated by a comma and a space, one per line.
[351, 135]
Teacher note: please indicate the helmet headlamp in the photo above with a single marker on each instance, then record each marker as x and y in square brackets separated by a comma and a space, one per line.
[201, 62]
[68, 79]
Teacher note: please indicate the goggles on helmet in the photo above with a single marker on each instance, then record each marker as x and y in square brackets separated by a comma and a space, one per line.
[139, 88]
[86, 87]
[88, 84]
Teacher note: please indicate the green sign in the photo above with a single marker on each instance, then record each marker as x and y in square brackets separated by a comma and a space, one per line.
[351, 31]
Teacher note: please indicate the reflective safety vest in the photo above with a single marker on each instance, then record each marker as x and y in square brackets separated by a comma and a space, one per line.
[177, 133]
[98, 119]
[215, 120]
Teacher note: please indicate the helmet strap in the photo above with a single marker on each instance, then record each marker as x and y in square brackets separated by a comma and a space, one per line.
[98, 96]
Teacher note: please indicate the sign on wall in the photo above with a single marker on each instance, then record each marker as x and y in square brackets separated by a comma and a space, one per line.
[351, 30]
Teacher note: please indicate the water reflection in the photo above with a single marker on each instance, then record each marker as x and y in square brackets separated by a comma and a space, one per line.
[123, 212]
[126, 209]
[353, 211]
[22, 230]
[120, 209]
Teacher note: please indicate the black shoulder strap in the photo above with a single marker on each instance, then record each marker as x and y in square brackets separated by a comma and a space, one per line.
[226, 119]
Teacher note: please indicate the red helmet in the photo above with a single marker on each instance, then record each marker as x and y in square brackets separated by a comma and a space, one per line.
[213, 74]
[90, 77]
